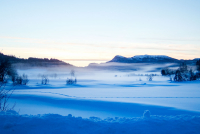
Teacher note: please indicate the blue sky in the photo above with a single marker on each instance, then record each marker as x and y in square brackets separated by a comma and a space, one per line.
[83, 31]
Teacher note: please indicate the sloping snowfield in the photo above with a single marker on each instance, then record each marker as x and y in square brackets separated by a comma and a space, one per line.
[103, 102]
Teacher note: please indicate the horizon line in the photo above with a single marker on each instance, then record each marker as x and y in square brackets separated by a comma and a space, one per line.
[86, 59]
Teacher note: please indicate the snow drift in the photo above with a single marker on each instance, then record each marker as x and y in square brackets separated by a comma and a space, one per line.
[13, 123]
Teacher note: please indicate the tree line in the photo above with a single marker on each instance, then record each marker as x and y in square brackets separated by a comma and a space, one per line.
[183, 73]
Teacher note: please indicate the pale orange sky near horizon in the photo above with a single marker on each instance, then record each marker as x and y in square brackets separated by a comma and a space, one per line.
[76, 58]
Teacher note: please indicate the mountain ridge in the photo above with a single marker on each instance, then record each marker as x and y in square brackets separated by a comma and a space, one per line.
[32, 61]
[149, 59]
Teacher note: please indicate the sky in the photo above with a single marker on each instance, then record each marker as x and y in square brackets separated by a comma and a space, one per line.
[92, 31]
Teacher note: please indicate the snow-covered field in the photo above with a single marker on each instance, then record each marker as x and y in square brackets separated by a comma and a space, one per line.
[103, 102]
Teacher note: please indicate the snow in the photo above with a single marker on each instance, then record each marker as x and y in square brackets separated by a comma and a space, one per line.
[13, 123]
[145, 56]
[100, 102]
[150, 56]
[146, 114]
[122, 99]
[119, 56]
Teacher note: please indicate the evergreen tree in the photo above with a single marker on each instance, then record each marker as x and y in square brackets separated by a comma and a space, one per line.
[6, 69]
[198, 65]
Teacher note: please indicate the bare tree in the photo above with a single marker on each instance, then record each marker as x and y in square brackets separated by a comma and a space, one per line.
[6, 71]
[55, 76]
[25, 79]
[4, 97]
[72, 73]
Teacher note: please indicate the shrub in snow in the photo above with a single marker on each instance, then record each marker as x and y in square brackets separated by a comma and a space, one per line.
[73, 79]
[45, 79]
[146, 114]
[150, 77]
[54, 76]
[20, 80]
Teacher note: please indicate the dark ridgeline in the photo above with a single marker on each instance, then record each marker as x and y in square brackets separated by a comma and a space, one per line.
[31, 61]
[122, 63]
[150, 59]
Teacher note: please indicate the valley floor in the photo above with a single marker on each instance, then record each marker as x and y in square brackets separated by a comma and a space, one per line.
[104, 105]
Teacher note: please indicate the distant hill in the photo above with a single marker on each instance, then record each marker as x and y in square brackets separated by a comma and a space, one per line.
[122, 63]
[150, 59]
[31, 61]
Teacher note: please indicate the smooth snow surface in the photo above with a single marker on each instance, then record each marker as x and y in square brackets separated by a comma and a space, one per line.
[106, 94]
[109, 100]
[103, 102]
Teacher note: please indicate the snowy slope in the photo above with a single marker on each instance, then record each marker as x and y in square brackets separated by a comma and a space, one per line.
[144, 59]
[151, 56]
